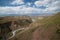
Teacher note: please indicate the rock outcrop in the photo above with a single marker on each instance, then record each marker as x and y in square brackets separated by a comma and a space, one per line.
[8, 24]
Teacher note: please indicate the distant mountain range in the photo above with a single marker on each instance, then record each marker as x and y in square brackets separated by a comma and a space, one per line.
[45, 14]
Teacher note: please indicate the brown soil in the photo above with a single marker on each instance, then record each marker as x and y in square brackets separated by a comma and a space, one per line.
[42, 34]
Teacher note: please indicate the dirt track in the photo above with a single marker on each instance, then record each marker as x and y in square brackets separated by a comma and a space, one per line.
[42, 35]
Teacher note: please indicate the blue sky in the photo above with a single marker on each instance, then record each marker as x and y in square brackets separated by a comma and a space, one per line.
[29, 6]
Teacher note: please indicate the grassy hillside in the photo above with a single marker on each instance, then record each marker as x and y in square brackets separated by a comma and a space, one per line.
[53, 24]
[49, 30]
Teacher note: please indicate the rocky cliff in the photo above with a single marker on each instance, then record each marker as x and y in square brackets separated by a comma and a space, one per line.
[8, 24]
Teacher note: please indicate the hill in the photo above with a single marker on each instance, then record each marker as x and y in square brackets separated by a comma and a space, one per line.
[48, 30]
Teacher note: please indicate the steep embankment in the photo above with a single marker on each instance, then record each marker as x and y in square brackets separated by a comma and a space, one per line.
[49, 30]
[12, 24]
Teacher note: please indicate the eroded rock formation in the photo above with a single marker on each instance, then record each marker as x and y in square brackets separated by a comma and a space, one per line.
[7, 25]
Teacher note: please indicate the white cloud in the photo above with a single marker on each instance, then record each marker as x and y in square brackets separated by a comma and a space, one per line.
[19, 10]
[28, 3]
[53, 7]
[56, 4]
[40, 3]
[17, 2]
[50, 7]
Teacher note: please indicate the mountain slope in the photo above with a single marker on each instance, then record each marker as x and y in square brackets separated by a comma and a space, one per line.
[49, 30]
